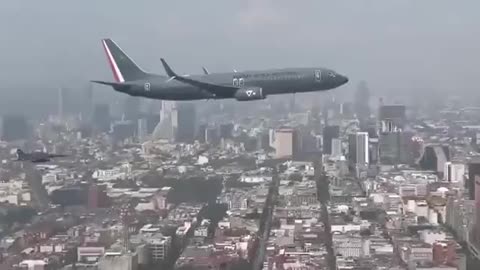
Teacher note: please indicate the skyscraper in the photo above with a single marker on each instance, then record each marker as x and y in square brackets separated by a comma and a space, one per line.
[395, 145]
[473, 168]
[88, 106]
[284, 142]
[392, 118]
[142, 131]
[434, 158]
[226, 130]
[358, 148]
[477, 209]
[362, 102]
[62, 100]
[362, 148]
[164, 129]
[336, 147]
[396, 148]
[131, 108]
[184, 122]
[101, 117]
[329, 133]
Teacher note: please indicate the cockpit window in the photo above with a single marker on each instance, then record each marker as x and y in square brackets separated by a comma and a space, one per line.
[332, 74]
[318, 75]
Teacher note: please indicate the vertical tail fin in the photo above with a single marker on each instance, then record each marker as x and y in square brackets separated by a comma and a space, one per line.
[123, 67]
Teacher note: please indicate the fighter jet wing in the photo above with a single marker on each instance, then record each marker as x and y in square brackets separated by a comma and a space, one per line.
[56, 155]
[216, 89]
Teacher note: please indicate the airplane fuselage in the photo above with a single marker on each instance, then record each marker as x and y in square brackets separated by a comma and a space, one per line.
[272, 82]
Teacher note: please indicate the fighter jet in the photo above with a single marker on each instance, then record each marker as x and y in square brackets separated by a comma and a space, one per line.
[240, 85]
[36, 157]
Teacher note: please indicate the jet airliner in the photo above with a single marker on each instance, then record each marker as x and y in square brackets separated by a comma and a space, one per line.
[242, 85]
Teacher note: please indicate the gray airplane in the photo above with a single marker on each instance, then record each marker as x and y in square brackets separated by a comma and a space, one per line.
[242, 86]
[36, 157]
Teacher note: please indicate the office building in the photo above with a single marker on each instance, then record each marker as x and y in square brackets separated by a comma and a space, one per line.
[113, 260]
[434, 158]
[336, 148]
[131, 108]
[358, 148]
[285, 142]
[454, 172]
[101, 117]
[97, 196]
[184, 122]
[226, 130]
[88, 106]
[362, 148]
[392, 118]
[61, 103]
[122, 130]
[201, 133]
[329, 133]
[152, 122]
[165, 127]
[362, 101]
[159, 246]
[142, 131]
[211, 135]
[473, 169]
[477, 211]
[396, 147]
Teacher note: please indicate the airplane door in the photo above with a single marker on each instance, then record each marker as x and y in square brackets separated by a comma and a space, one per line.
[318, 75]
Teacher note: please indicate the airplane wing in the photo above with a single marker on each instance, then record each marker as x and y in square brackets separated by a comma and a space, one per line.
[205, 71]
[216, 89]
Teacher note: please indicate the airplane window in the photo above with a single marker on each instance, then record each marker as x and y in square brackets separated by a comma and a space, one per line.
[318, 75]
[235, 82]
[240, 82]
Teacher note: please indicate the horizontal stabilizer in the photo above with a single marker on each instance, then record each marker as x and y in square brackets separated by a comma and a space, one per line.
[108, 83]
[115, 85]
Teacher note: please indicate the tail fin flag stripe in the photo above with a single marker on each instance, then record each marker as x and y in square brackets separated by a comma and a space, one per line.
[113, 64]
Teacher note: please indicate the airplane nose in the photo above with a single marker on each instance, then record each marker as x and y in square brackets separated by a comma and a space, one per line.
[344, 79]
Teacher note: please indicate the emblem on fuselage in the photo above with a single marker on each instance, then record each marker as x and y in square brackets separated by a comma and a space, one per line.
[146, 86]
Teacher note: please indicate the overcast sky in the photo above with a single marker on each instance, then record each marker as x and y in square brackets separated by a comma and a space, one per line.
[392, 44]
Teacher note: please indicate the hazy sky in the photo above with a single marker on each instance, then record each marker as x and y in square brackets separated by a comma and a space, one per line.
[392, 44]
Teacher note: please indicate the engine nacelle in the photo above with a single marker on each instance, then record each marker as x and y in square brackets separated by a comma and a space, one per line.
[249, 93]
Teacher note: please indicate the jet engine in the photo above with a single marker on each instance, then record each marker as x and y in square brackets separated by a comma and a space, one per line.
[249, 93]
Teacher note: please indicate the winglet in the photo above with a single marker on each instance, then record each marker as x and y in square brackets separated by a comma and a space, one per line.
[205, 71]
[167, 68]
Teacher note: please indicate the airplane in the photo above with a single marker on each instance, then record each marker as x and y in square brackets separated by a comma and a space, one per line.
[131, 79]
[36, 157]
